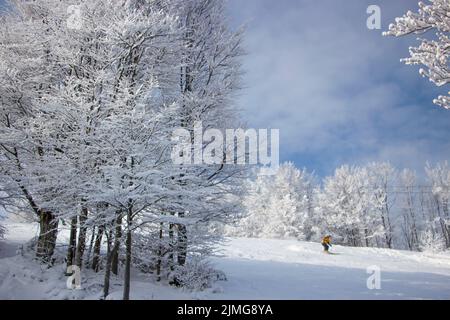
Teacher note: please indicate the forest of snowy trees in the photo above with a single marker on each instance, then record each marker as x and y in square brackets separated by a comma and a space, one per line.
[375, 205]
[87, 113]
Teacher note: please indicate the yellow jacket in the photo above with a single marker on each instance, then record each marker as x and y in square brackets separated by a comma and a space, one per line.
[326, 240]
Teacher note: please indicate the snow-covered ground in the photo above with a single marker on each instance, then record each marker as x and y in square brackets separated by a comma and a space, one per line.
[255, 268]
[282, 269]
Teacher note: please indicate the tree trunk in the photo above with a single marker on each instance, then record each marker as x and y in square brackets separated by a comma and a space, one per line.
[171, 247]
[116, 248]
[109, 256]
[387, 221]
[47, 236]
[72, 242]
[91, 245]
[97, 246]
[126, 287]
[81, 238]
[446, 226]
[159, 253]
[387, 232]
[366, 237]
[182, 242]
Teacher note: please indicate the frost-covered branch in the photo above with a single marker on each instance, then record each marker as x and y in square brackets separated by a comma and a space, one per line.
[432, 54]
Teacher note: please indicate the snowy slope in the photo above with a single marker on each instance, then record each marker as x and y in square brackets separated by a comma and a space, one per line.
[289, 269]
[255, 268]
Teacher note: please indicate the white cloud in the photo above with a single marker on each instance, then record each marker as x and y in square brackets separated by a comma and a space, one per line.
[334, 87]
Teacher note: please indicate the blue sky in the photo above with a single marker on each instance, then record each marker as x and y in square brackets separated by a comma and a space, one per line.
[335, 89]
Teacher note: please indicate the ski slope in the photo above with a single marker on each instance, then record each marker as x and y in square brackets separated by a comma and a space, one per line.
[289, 269]
[255, 268]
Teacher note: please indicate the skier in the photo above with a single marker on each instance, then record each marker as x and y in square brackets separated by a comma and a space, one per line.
[326, 243]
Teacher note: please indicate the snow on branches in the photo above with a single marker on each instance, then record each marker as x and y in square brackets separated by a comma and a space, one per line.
[373, 205]
[433, 53]
[86, 122]
[278, 206]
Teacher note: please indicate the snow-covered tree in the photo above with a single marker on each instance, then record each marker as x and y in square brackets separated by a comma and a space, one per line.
[433, 53]
[439, 177]
[87, 120]
[208, 78]
[430, 241]
[28, 71]
[382, 177]
[409, 209]
[279, 205]
[347, 207]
